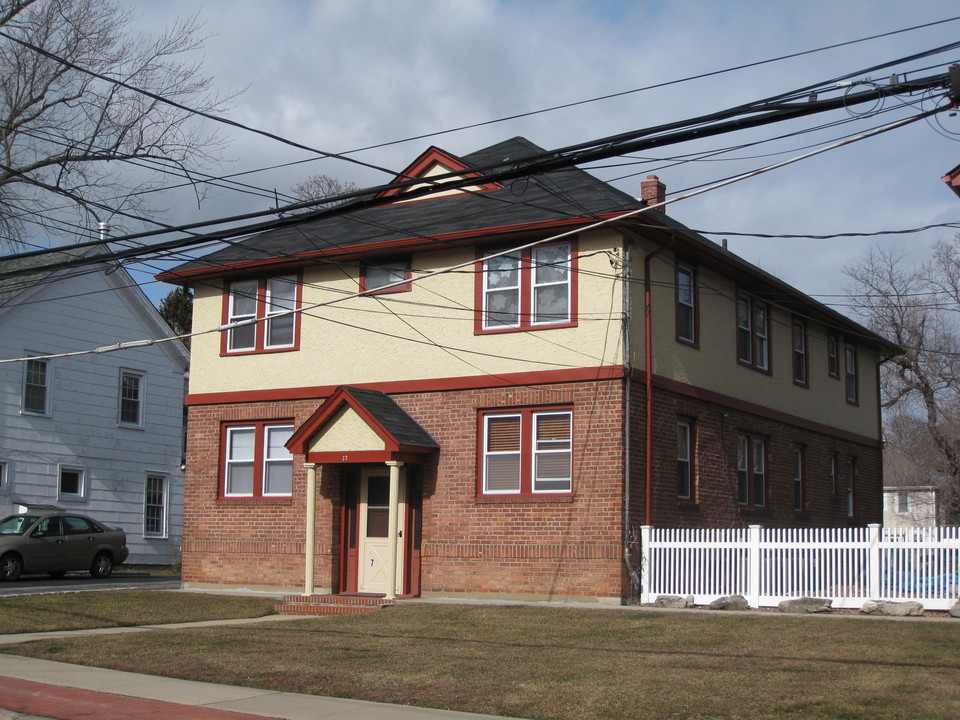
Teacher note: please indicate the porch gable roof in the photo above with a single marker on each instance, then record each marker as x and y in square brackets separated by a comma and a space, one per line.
[399, 432]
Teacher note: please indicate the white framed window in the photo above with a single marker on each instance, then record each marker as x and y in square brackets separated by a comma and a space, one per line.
[800, 357]
[687, 321]
[269, 301]
[751, 471]
[132, 388]
[528, 289]
[37, 381]
[850, 373]
[376, 277]
[684, 460]
[155, 506]
[527, 452]
[256, 461]
[798, 479]
[902, 503]
[242, 306]
[851, 482]
[281, 298]
[753, 332]
[4, 477]
[72, 483]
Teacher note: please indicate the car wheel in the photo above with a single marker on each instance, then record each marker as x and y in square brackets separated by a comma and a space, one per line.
[58, 574]
[102, 565]
[10, 567]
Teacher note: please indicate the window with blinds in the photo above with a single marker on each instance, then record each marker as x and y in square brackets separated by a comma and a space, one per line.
[527, 451]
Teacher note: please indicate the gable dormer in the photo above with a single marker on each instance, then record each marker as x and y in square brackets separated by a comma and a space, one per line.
[436, 163]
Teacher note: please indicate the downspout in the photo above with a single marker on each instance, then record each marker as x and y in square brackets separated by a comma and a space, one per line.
[628, 539]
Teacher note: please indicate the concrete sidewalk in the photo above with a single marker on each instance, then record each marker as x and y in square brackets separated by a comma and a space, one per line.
[41, 688]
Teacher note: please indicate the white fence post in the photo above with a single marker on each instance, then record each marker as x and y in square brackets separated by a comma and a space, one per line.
[644, 564]
[753, 587]
[873, 561]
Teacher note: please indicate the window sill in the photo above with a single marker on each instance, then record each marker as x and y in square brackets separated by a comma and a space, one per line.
[523, 499]
[688, 504]
[224, 500]
[524, 328]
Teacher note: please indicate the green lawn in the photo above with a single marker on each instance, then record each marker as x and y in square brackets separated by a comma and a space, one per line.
[561, 663]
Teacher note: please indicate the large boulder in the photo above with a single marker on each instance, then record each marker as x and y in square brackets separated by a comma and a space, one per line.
[806, 605]
[890, 607]
[955, 610]
[673, 601]
[730, 602]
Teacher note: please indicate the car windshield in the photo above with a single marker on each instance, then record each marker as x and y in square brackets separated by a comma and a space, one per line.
[17, 524]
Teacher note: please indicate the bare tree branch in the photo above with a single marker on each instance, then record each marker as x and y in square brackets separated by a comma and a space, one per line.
[65, 135]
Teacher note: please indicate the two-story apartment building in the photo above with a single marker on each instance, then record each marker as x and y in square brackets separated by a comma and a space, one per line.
[488, 390]
[94, 433]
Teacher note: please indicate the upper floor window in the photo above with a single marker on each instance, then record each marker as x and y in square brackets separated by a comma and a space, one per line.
[687, 315]
[527, 452]
[684, 460]
[131, 398]
[256, 461]
[385, 277]
[833, 355]
[36, 386]
[753, 332]
[528, 289]
[850, 372]
[751, 470]
[799, 350]
[265, 306]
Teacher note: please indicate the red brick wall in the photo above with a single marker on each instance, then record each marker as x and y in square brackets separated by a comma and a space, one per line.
[538, 547]
[715, 459]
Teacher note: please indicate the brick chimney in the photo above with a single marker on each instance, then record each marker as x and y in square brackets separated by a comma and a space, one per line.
[652, 191]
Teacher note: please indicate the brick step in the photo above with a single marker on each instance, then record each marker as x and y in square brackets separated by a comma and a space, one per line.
[330, 604]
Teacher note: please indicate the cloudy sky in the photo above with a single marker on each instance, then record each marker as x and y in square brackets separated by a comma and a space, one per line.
[339, 75]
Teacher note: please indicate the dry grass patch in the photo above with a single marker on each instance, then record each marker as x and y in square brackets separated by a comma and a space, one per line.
[562, 663]
[82, 610]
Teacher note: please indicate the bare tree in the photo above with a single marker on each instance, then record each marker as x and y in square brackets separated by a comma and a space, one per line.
[75, 149]
[916, 307]
[318, 187]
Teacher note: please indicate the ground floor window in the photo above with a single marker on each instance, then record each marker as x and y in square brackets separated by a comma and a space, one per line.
[256, 460]
[527, 451]
[798, 484]
[155, 507]
[751, 470]
[684, 460]
[71, 483]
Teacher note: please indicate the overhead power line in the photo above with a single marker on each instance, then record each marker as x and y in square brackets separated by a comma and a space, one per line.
[540, 163]
[443, 271]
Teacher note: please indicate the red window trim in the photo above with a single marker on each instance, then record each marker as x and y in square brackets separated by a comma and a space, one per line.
[695, 279]
[405, 287]
[526, 294]
[526, 414]
[260, 433]
[261, 324]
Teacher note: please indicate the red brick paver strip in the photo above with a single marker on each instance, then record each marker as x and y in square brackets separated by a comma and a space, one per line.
[64, 703]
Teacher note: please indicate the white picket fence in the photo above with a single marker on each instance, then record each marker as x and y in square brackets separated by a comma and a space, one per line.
[767, 565]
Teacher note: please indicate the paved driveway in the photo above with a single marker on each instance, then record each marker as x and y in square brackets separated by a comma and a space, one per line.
[82, 582]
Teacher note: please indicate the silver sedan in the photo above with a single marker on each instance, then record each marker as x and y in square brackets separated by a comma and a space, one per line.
[55, 543]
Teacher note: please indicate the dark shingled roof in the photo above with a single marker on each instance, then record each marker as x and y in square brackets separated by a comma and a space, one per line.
[548, 197]
[11, 287]
[404, 429]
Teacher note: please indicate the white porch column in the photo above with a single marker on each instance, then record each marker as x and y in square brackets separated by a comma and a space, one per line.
[392, 528]
[311, 527]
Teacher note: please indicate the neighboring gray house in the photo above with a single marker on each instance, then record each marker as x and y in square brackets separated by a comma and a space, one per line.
[911, 493]
[100, 434]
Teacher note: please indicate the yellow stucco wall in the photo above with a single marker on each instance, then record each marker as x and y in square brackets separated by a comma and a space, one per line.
[346, 432]
[714, 364]
[396, 337]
